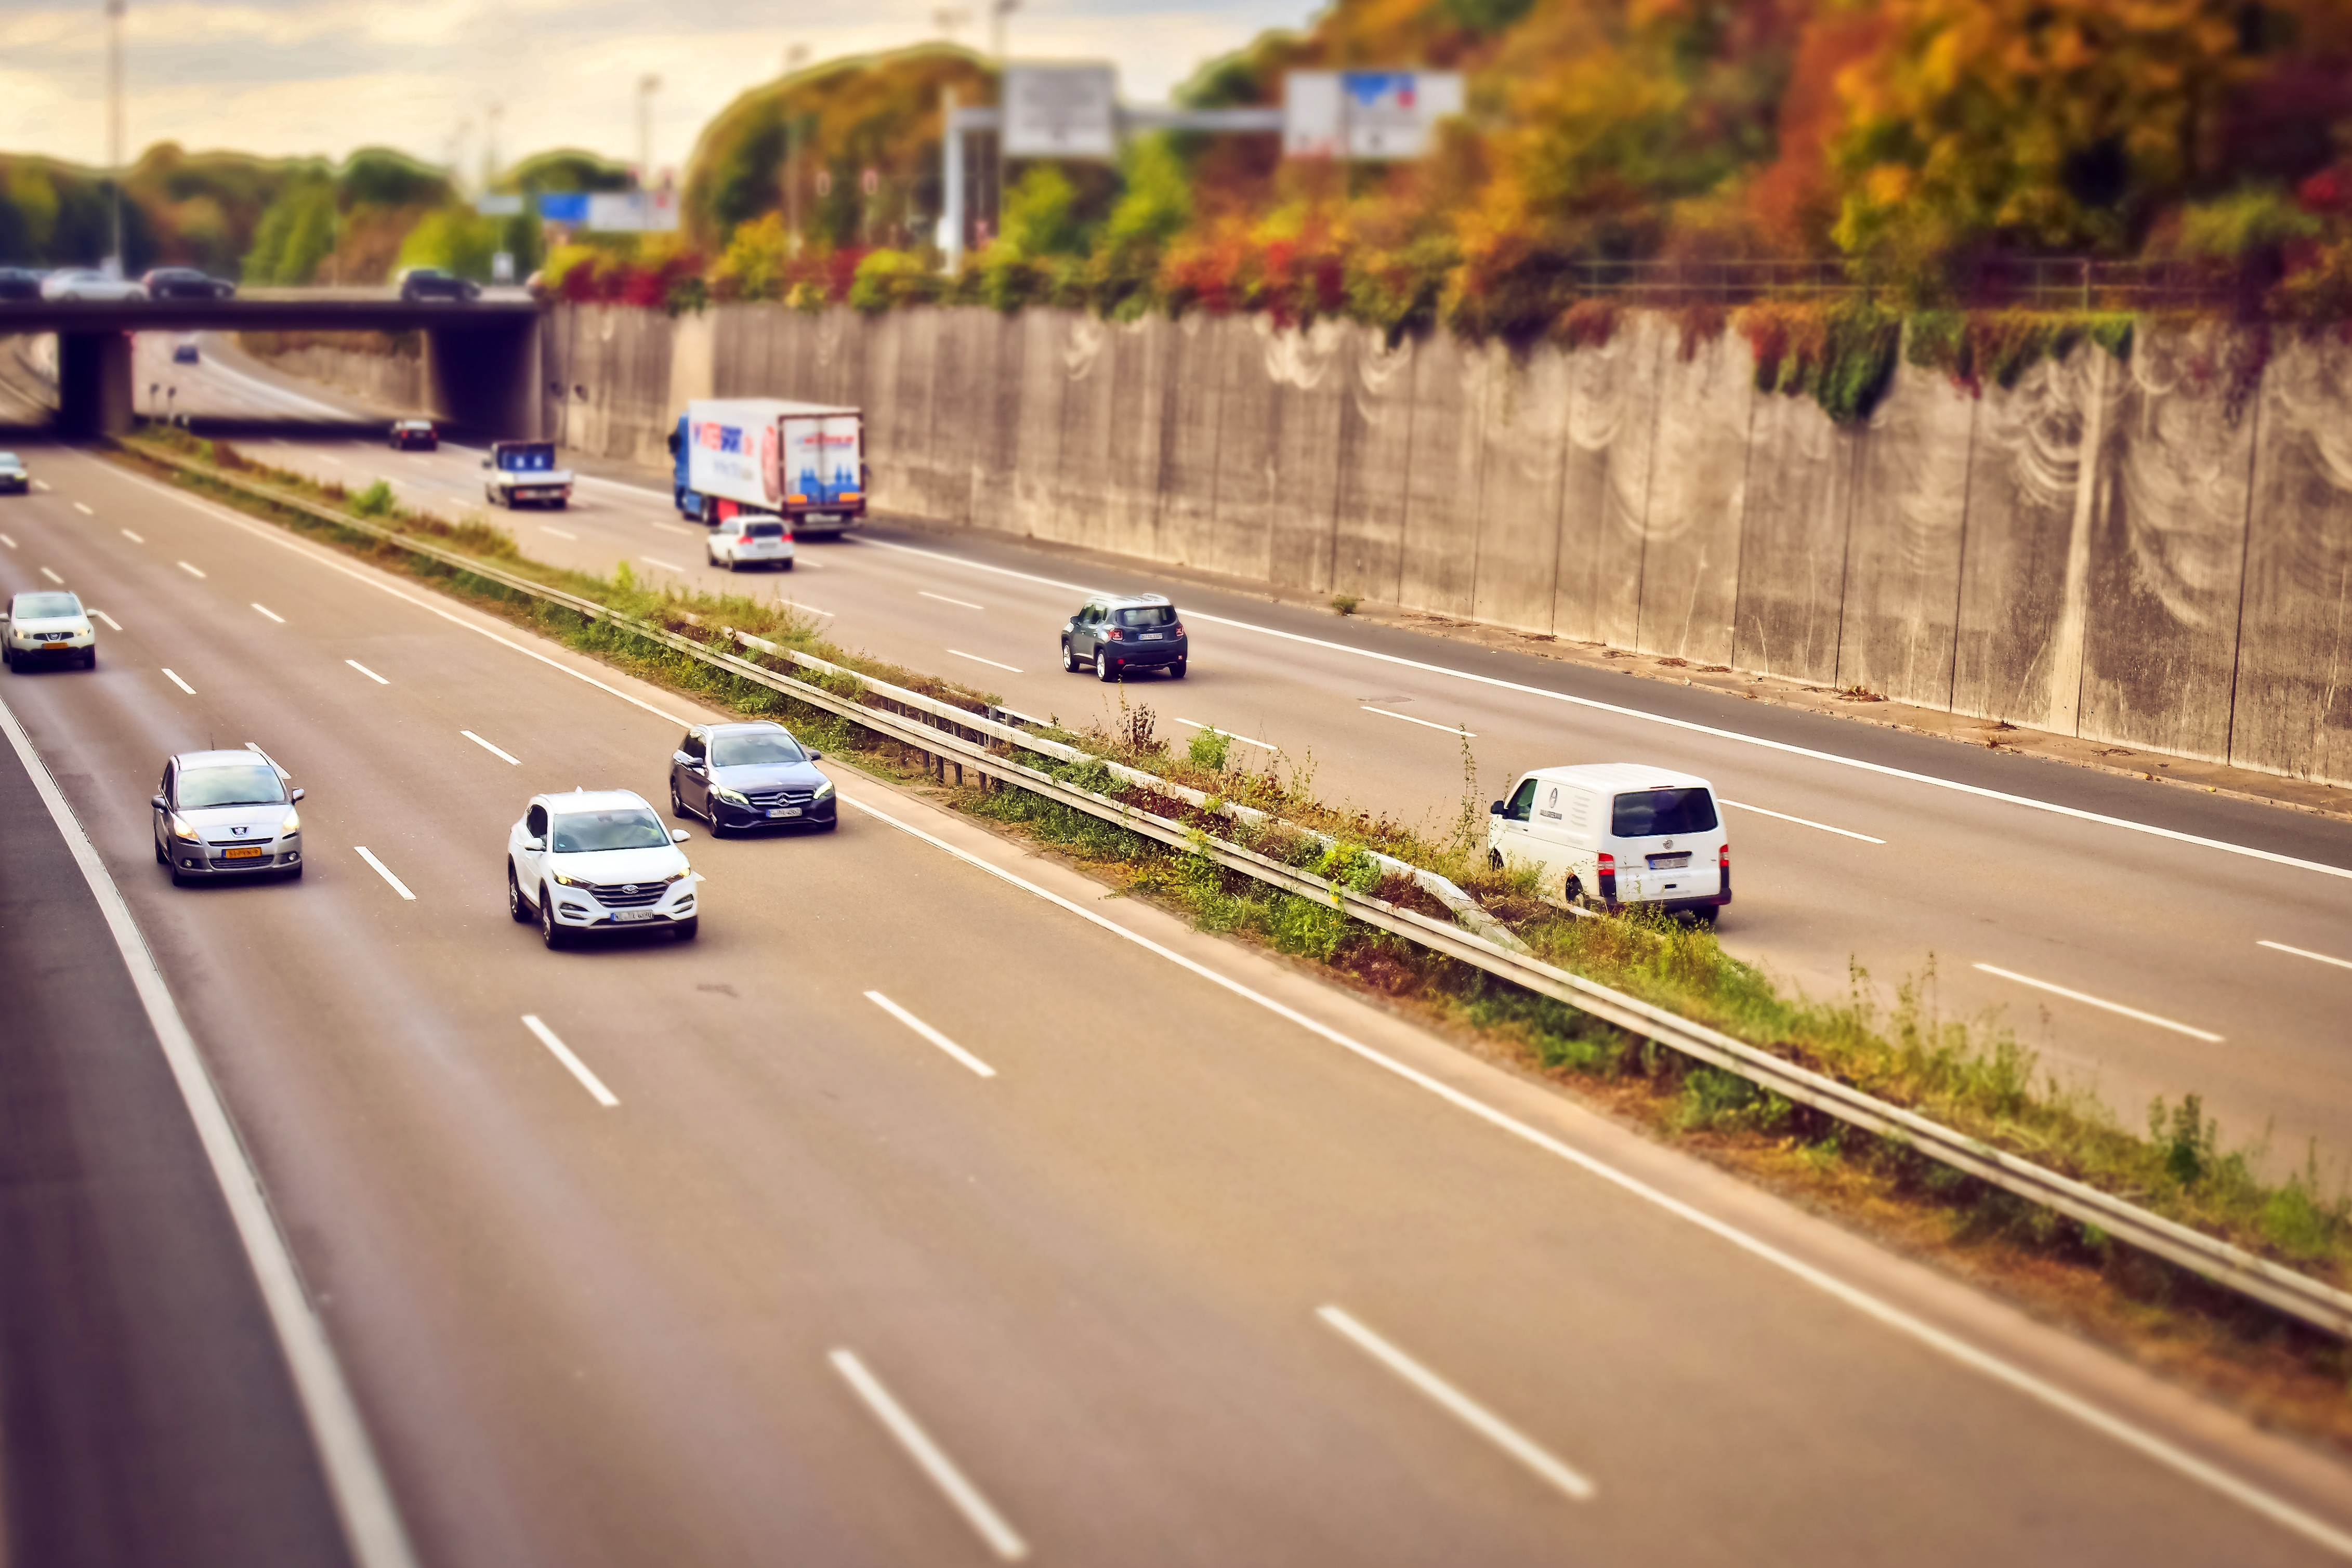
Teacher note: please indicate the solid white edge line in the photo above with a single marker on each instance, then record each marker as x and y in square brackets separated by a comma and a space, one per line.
[267, 611]
[1245, 740]
[2147, 1443]
[493, 750]
[1425, 723]
[927, 1032]
[1801, 821]
[109, 619]
[173, 677]
[1785, 748]
[363, 670]
[2306, 953]
[2208, 1036]
[943, 598]
[1471, 1414]
[196, 571]
[363, 1502]
[384, 871]
[930, 1457]
[976, 659]
[578, 1069]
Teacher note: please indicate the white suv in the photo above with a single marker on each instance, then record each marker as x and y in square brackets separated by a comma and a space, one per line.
[45, 628]
[750, 538]
[598, 861]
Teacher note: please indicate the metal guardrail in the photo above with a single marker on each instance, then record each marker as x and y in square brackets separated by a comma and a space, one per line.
[2297, 1295]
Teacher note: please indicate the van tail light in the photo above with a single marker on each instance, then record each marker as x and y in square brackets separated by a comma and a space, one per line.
[1723, 859]
[1608, 870]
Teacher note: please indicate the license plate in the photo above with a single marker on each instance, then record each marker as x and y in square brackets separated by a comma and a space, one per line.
[784, 812]
[1151, 636]
[244, 855]
[1668, 862]
[638, 915]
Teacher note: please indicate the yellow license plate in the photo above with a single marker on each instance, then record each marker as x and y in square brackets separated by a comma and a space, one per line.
[245, 855]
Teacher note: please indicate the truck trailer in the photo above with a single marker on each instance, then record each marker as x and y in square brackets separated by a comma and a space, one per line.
[803, 462]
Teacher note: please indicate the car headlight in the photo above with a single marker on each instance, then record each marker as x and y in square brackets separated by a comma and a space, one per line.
[562, 880]
[292, 824]
[180, 827]
[732, 797]
[676, 876]
[825, 790]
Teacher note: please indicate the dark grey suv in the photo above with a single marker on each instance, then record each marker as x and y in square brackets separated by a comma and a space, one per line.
[435, 283]
[1113, 635]
[754, 775]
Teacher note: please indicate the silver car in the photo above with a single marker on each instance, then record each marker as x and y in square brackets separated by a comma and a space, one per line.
[227, 814]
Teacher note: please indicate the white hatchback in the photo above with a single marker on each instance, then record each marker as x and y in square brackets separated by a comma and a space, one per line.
[598, 861]
[750, 538]
[1617, 833]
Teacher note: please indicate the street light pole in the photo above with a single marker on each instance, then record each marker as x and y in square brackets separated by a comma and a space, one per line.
[794, 58]
[114, 12]
[648, 85]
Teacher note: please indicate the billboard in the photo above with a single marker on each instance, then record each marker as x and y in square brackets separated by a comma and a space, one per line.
[1061, 111]
[632, 212]
[1365, 114]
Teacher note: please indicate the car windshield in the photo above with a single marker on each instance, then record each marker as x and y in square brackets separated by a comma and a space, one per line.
[1148, 616]
[527, 458]
[770, 748]
[1655, 813]
[628, 828]
[232, 786]
[44, 606]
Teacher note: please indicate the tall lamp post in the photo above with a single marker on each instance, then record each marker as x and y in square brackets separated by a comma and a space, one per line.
[998, 10]
[648, 85]
[795, 58]
[114, 12]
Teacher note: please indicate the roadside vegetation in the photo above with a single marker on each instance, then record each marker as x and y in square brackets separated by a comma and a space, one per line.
[1895, 1042]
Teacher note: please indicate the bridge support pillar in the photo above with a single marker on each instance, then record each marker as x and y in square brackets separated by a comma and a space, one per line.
[486, 378]
[94, 384]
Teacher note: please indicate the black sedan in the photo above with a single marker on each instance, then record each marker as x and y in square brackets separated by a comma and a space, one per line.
[415, 436]
[434, 283]
[186, 283]
[19, 283]
[751, 775]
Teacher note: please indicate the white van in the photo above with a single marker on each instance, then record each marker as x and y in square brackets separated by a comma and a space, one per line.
[1617, 833]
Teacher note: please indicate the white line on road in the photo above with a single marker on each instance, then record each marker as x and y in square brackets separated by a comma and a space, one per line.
[384, 871]
[173, 677]
[192, 571]
[269, 611]
[2306, 953]
[135, 538]
[2205, 1035]
[943, 598]
[1471, 1414]
[808, 609]
[1692, 726]
[363, 670]
[927, 1032]
[53, 577]
[665, 565]
[85, 511]
[40, 484]
[559, 533]
[588, 1081]
[5, 539]
[934, 1463]
[680, 529]
[1803, 821]
[485, 745]
[1425, 723]
[109, 619]
[976, 659]
[2140, 1440]
[336, 461]
[1245, 740]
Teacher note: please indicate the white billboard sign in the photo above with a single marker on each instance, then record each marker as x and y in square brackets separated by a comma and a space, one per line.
[1366, 114]
[631, 212]
[1061, 111]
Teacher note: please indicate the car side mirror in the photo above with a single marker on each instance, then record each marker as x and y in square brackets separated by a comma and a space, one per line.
[816, 757]
[297, 795]
[534, 844]
[486, 463]
[159, 803]
[1495, 810]
[679, 835]
[681, 759]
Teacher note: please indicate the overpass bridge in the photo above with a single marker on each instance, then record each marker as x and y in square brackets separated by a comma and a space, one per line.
[482, 357]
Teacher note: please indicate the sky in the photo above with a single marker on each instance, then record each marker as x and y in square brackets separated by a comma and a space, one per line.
[282, 76]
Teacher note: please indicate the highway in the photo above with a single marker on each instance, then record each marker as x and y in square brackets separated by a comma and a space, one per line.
[2132, 962]
[1212, 1264]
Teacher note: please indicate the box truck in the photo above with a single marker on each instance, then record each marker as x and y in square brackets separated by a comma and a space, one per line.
[803, 462]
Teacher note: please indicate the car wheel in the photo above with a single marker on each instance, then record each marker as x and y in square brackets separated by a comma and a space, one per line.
[1495, 859]
[787, 565]
[90, 660]
[677, 804]
[712, 558]
[1177, 669]
[161, 858]
[1104, 669]
[688, 928]
[8, 655]
[177, 880]
[734, 565]
[1069, 660]
[552, 933]
[1708, 916]
[517, 910]
[563, 503]
[294, 873]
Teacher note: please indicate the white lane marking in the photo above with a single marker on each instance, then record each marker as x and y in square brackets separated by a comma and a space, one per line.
[927, 1032]
[1245, 740]
[85, 511]
[1468, 1411]
[135, 538]
[1803, 821]
[928, 1457]
[485, 745]
[336, 461]
[363, 670]
[2306, 953]
[976, 659]
[1785, 748]
[173, 677]
[269, 611]
[679, 528]
[5, 539]
[809, 608]
[371, 1521]
[53, 577]
[578, 1069]
[943, 598]
[384, 871]
[2147, 1443]
[109, 619]
[665, 565]
[559, 533]
[192, 571]
[1425, 723]
[2205, 1035]
[40, 484]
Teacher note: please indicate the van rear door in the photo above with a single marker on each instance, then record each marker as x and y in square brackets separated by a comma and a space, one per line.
[1665, 840]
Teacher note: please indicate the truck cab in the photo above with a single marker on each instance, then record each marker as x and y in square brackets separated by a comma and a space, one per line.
[524, 472]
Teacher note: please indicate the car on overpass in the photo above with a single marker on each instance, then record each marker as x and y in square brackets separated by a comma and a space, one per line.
[88, 282]
[227, 814]
[420, 283]
[185, 352]
[1609, 835]
[14, 478]
[1113, 635]
[186, 283]
[19, 283]
[750, 775]
[47, 627]
[598, 861]
[414, 436]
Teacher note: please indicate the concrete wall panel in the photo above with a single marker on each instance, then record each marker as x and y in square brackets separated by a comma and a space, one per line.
[1902, 553]
[1522, 436]
[1801, 485]
[1375, 449]
[1249, 435]
[1308, 370]
[1440, 560]
[1188, 443]
[1134, 395]
[1082, 480]
[1697, 494]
